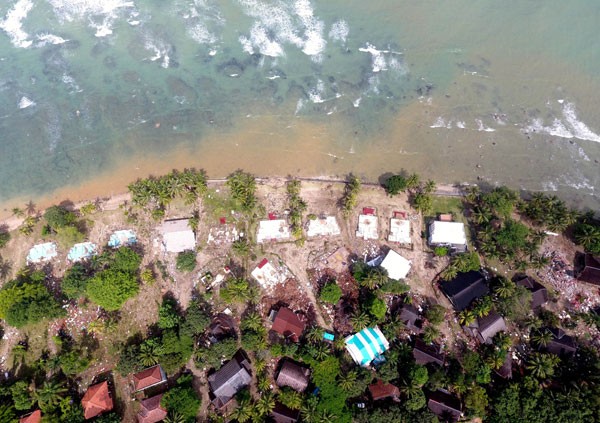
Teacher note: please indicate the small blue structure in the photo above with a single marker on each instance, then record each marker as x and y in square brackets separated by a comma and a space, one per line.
[42, 252]
[121, 238]
[367, 346]
[82, 251]
[328, 336]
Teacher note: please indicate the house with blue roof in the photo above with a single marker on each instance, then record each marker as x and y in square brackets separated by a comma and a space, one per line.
[367, 346]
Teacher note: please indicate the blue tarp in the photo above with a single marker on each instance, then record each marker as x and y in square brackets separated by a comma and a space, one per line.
[120, 238]
[42, 252]
[82, 251]
[328, 336]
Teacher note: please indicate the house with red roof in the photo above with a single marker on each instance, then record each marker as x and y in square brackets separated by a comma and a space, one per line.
[152, 376]
[97, 400]
[151, 411]
[288, 324]
[35, 417]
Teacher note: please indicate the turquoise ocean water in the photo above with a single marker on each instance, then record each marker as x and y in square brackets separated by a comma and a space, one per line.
[488, 92]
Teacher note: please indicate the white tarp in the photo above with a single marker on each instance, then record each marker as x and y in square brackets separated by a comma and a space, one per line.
[367, 227]
[272, 230]
[177, 236]
[397, 266]
[447, 233]
[323, 227]
[399, 231]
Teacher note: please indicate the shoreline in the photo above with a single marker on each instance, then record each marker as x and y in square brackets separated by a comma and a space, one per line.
[113, 201]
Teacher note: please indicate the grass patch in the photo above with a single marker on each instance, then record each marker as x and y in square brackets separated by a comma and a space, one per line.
[454, 205]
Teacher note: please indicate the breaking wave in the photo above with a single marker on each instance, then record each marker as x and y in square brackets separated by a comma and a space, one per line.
[12, 23]
[569, 127]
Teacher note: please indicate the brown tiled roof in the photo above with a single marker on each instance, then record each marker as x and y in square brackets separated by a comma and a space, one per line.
[381, 390]
[283, 414]
[35, 417]
[444, 405]
[288, 324]
[293, 375]
[151, 411]
[591, 269]
[425, 354]
[96, 400]
[146, 378]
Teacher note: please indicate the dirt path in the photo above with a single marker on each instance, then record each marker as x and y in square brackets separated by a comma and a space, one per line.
[201, 386]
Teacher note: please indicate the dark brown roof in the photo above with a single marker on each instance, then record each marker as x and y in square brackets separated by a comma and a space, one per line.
[561, 343]
[505, 371]
[464, 288]
[539, 293]
[488, 326]
[444, 405]
[230, 379]
[221, 327]
[283, 414]
[411, 318]
[425, 354]
[151, 411]
[591, 269]
[149, 377]
[96, 400]
[293, 375]
[288, 324]
[381, 390]
[35, 417]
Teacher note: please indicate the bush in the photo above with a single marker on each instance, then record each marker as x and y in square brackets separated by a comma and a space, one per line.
[74, 283]
[435, 314]
[440, 251]
[395, 184]
[393, 286]
[186, 261]
[182, 399]
[168, 317]
[59, 217]
[111, 288]
[376, 307]
[126, 260]
[69, 235]
[331, 293]
[4, 238]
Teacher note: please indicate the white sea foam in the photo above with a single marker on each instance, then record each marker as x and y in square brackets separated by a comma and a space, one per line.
[316, 94]
[569, 127]
[70, 82]
[339, 31]
[382, 60]
[204, 21]
[441, 123]
[299, 106]
[46, 38]
[283, 22]
[12, 23]
[26, 102]
[460, 124]
[356, 103]
[482, 128]
[100, 14]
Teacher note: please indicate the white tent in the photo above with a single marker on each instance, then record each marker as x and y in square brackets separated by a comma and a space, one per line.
[42, 252]
[399, 231]
[447, 233]
[397, 266]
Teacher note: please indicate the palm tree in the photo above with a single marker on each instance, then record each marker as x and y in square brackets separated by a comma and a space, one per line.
[309, 410]
[49, 395]
[259, 365]
[482, 307]
[346, 381]
[413, 181]
[496, 359]
[502, 340]
[327, 417]
[263, 383]
[393, 327]
[541, 338]
[252, 321]
[430, 333]
[542, 365]
[320, 352]
[176, 417]
[533, 322]
[30, 208]
[505, 289]
[290, 398]
[18, 212]
[243, 412]
[7, 413]
[430, 187]
[360, 321]
[586, 235]
[449, 272]
[265, 404]
[314, 334]
[466, 317]
[150, 352]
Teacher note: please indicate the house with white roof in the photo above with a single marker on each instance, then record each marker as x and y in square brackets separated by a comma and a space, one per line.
[367, 227]
[448, 234]
[325, 226]
[42, 252]
[267, 275]
[399, 231]
[273, 230]
[397, 266]
[177, 236]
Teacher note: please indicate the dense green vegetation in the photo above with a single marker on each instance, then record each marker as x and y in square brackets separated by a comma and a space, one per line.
[182, 400]
[297, 206]
[350, 197]
[186, 261]
[243, 189]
